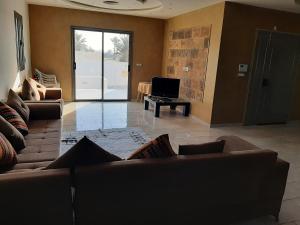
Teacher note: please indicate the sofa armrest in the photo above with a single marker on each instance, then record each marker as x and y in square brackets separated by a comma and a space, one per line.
[45, 111]
[273, 187]
[53, 93]
[39, 197]
[234, 143]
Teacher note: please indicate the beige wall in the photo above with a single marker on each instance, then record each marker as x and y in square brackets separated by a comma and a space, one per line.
[50, 29]
[238, 42]
[212, 15]
[9, 75]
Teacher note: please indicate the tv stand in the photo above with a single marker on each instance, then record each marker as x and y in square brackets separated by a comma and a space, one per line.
[156, 98]
[157, 102]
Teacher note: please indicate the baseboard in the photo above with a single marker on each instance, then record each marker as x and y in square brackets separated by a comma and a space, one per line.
[226, 125]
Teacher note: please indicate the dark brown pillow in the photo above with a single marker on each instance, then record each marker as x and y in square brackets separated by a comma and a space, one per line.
[206, 148]
[30, 92]
[157, 148]
[13, 118]
[15, 102]
[12, 134]
[85, 152]
[8, 156]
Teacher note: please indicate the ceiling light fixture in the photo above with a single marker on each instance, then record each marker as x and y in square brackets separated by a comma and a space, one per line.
[117, 5]
[111, 2]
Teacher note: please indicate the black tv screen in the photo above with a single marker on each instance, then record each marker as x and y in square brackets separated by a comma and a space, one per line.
[165, 87]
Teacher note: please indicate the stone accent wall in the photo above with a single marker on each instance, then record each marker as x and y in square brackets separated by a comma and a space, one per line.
[189, 48]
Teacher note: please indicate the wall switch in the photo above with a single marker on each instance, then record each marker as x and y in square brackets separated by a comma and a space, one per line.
[241, 74]
[186, 69]
[139, 65]
[243, 68]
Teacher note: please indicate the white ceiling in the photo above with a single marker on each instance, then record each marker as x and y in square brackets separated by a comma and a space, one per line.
[170, 8]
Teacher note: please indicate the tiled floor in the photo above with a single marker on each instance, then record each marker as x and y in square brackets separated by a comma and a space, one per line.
[285, 139]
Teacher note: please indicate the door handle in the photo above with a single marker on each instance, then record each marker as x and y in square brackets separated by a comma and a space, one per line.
[265, 82]
[74, 65]
[129, 68]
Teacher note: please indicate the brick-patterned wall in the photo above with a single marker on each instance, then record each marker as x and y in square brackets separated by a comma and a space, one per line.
[189, 48]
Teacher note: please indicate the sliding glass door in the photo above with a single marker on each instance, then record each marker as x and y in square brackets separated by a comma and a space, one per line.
[101, 65]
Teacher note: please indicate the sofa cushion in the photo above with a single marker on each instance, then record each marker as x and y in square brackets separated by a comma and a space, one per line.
[157, 148]
[85, 152]
[7, 153]
[12, 134]
[36, 157]
[15, 102]
[30, 92]
[43, 141]
[206, 148]
[13, 118]
[31, 166]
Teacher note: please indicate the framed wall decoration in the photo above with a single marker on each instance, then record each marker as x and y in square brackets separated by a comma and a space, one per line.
[19, 41]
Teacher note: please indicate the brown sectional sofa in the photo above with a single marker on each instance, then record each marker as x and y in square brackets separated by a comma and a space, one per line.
[43, 140]
[219, 188]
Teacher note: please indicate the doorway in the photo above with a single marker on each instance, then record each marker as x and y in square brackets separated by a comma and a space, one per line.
[277, 56]
[101, 64]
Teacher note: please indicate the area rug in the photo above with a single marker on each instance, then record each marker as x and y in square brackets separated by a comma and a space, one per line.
[121, 142]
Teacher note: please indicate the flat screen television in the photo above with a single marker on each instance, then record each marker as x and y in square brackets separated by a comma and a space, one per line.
[165, 87]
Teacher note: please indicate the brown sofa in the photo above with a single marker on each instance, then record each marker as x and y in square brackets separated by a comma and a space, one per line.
[219, 188]
[52, 96]
[206, 189]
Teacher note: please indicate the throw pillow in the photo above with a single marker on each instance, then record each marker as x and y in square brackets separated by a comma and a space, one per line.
[30, 92]
[8, 156]
[41, 88]
[15, 102]
[206, 148]
[157, 148]
[12, 134]
[13, 118]
[85, 152]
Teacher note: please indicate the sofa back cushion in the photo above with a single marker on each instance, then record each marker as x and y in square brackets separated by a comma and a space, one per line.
[7, 153]
[13, 118]
[15, 102]
[206, 148]
[12, 134]
[177, 190]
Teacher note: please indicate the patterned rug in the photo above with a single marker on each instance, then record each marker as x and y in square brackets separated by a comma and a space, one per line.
[121, 142]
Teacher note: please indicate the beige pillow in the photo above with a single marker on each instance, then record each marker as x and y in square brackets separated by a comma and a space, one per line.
[33, 90]
[30, 92]
[157, 148]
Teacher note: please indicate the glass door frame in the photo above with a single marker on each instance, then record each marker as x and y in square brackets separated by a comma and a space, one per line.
[73, 63]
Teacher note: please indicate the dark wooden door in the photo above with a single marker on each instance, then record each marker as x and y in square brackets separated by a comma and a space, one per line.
[273, 78]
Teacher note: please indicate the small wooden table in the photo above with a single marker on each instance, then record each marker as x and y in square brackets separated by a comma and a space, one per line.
[144, 88]
[173, 103]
